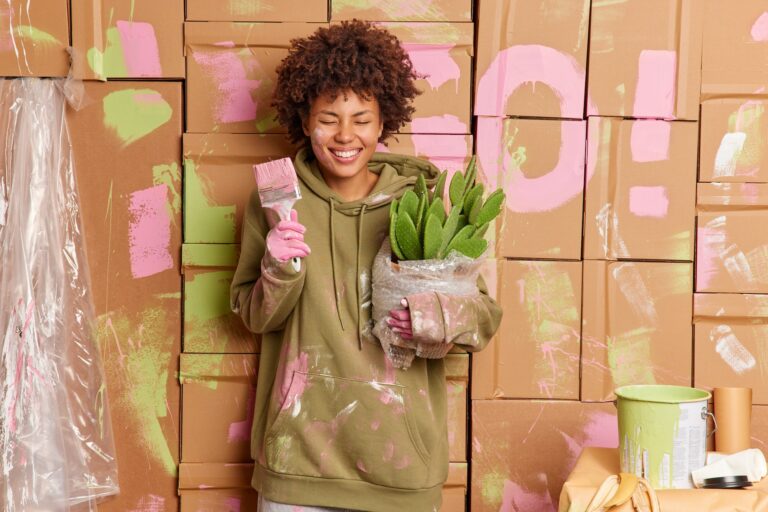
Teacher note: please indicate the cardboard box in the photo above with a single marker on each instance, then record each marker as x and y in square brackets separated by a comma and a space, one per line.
[219, 179]
[127, 39]
[447, 152]
[264, 10]
[457, 382]
[734, 135]
[729, 255]
[537, 351]
[731, 330]
[126, 144]
[540, 165]
[210, 326]
[218, 394]
[532, 58]
[735, 49]
[34, 37]
[640, 201]
[205, 487]
[636, 326]
[443, 53]
[523, 451]
[760, 427]
[645, 59]
[402, 10]
[231, 74]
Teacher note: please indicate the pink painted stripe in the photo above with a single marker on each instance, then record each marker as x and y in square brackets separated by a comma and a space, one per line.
[649, 140]
[140, 50]
[649, 201]
[149, 232]
[656, 83]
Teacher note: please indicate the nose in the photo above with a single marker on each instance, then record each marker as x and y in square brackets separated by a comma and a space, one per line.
[345, 133]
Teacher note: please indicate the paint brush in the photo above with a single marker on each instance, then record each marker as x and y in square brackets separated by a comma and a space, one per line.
[278, 188]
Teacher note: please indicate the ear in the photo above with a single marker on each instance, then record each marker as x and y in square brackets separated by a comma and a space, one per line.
[381, 128]
[305, 124]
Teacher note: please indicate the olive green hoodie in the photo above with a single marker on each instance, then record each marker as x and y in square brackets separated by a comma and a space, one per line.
[335, 424]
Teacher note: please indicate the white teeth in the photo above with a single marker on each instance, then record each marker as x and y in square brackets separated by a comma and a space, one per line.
[346, 154]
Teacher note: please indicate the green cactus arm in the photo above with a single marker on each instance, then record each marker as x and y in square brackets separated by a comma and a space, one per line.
[463, 234]
[393, 237]
[409, 204]
[470, 175]
[491, 208]
[433, 237]
[421, 186]
[456, 189]
[481, 231]
[449, 230]
[439, 191]
[420, 216]
[408, 238]
[475, 195]
[471, 247]
[437, 208]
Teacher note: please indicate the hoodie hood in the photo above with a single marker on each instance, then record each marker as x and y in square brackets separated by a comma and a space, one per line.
[397, 173]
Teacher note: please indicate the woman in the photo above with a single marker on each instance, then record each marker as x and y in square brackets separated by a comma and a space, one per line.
[336, 425]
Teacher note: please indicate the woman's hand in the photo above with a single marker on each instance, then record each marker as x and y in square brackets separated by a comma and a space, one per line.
[399, 321]
[286, 240]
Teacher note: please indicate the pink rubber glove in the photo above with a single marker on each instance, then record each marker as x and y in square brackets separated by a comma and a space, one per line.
[399, 321]
[286, 240]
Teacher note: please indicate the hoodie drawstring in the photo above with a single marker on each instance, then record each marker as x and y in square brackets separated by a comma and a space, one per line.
[357, 271]
[333, 264]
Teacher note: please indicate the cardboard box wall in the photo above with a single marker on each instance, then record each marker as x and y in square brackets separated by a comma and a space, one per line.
[735, 48]
[34, 37]
[531, 58]
[206, 487]
[645, 59]
[536, 351]
[127, 39]
[730, 346]
[127, 147]
[731, 256]
[402, 10]
[540, 165]
[640, 201]
[734, 135]
[457, 382]
[446, 152]
[523, 451]
[636, 326]
[264, 10]
[210, 326]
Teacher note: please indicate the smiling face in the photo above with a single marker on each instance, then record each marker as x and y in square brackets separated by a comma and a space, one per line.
[344, 133]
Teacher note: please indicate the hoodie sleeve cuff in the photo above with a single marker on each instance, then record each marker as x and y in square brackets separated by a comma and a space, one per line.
[279, 270]
[427, 322]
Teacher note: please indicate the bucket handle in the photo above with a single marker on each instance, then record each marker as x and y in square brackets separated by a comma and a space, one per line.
[704, 414]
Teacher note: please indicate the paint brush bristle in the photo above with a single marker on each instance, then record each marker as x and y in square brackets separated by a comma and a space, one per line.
[278, 185]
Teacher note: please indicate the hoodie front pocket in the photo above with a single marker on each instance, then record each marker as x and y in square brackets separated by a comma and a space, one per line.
[334, 427]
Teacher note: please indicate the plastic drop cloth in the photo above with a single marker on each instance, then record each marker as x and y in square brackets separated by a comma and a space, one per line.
[55, 431]
[391, 282]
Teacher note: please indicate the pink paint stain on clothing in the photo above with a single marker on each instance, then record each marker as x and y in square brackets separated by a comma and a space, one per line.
[403, 463]
[649, 141]
[435, 61]
[759, 30]
[389, 451]
[516, 498]
[150, 503]
[649, 201]
[532, 64]
[446, 123]
[235, 102]
[240, 431]
[233, 504]
[140, 50]
[149, 232]
[361, 466]
[293, 388]
[656, 83]
[375, 424]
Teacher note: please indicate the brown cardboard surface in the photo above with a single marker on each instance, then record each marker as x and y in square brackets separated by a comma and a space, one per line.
[402, 10]
[597, 464]
[210, 326]
[127, 39]
[540, 164]
[730, 348]
[457, 382]
[219, 179]
[523, 451]
[640, 201]
[531, 58]
[734, 132]
[263, 10]
[231, 74]
[218, 393]
[733, 407]
[536, 351]
[760, 427]
[127, 163]
[447, 152]
[645, 59]
[443, 53]
[33, 38]
[735, 48]
[636, 326]
[729, 257]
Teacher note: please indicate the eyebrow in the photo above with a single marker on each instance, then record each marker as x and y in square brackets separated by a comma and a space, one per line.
[334, 114]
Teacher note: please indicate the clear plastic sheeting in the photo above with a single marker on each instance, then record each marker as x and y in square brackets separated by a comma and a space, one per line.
[55, 431]
[391, 282]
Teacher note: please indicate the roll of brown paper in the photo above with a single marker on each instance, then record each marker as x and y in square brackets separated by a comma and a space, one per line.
[733, 412]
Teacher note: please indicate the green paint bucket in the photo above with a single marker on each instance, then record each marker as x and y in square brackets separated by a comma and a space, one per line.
[662, 433]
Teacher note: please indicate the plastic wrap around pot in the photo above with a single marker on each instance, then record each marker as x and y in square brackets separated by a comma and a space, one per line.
[55, 432]
[391, 282]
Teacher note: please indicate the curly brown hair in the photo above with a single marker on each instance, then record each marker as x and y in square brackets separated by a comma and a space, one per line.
[353, 55]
